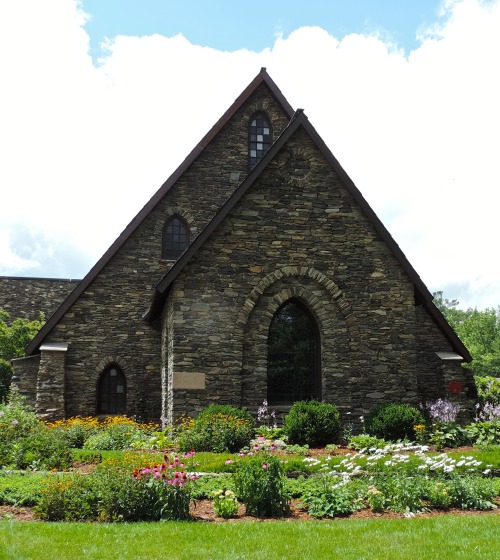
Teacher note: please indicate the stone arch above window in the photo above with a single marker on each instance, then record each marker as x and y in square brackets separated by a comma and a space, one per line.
[112, 391]
[260, 137]
[175, 237]
[294, 355]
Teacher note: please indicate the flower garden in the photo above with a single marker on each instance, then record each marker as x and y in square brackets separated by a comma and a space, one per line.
[227, 464]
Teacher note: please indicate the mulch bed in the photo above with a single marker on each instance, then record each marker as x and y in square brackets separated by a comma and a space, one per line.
[203, 510]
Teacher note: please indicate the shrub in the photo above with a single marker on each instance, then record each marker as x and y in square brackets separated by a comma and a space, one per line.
[208, 484]
[447, 434]
[404, 494]
[366, 442]
[20, 489]
[75, 430]
[261, 485]
[218, 428]
[488, 388]
[394, 422]
[113, 493]
[25, 441]
[41, 450]
[439, 496]
[117, 432]
[69, 497]
[333, 496]
[312, 423]
[14, 336]
[376, 500]
[472, 492]
[484, 433]
[225, 503]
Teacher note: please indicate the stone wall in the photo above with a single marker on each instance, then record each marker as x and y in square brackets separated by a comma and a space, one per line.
[105, 325]
[25, 376]
[436, 374]
[297, 233]
[25, 298]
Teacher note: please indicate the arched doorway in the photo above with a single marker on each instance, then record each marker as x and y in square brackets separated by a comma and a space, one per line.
[112, 391]
[293, 359]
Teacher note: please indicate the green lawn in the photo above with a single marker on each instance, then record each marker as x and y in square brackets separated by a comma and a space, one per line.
[445, 537]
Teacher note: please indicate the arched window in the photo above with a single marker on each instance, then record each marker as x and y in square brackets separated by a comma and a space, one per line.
[175, 237]
[112, 391]
[259, 138]
[293, 361]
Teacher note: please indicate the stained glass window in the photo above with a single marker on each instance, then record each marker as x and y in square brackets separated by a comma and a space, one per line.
[259, 138]
[112, 391]
[293, 365]
[175, 237]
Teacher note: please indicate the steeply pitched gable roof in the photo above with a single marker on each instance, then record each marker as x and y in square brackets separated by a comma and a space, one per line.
[300, 120]
[261, 78]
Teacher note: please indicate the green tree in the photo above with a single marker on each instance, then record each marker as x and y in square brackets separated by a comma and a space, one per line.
[478, 330]
[14, 337]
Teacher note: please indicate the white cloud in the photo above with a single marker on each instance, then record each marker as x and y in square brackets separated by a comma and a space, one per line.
[83, 148]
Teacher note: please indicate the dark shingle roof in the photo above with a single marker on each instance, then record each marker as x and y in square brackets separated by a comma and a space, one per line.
[261, 78]
[299, 119]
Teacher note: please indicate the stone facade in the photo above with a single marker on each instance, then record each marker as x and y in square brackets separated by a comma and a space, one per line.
[25, 298]
[195, 331]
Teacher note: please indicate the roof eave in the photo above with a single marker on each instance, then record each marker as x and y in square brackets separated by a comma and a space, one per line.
[261, 78]
[448, 332]
[300, 119]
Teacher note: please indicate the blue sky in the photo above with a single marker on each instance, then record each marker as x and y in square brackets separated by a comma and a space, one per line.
[101, 100]
[234, 24]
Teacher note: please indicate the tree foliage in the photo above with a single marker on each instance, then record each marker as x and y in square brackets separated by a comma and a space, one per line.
[478, 330]
[14, 336]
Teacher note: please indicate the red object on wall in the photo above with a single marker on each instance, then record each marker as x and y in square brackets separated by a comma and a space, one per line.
[455, 387]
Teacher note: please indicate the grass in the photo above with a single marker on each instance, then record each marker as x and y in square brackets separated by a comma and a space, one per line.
[471, 537]
[486, 456]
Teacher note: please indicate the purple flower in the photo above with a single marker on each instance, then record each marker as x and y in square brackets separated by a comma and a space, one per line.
[443, 410]
[490, 412]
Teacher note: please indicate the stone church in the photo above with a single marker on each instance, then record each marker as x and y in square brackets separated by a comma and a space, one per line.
[257, 271]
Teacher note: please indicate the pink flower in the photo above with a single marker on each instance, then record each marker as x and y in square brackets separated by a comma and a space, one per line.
[229, 461]
[256, 447]
[265, 466]
[262, 438]
[272, 447]
[15, 422]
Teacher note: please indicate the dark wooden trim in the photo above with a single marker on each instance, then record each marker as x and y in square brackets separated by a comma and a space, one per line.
[300, 120]
[261, 78]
